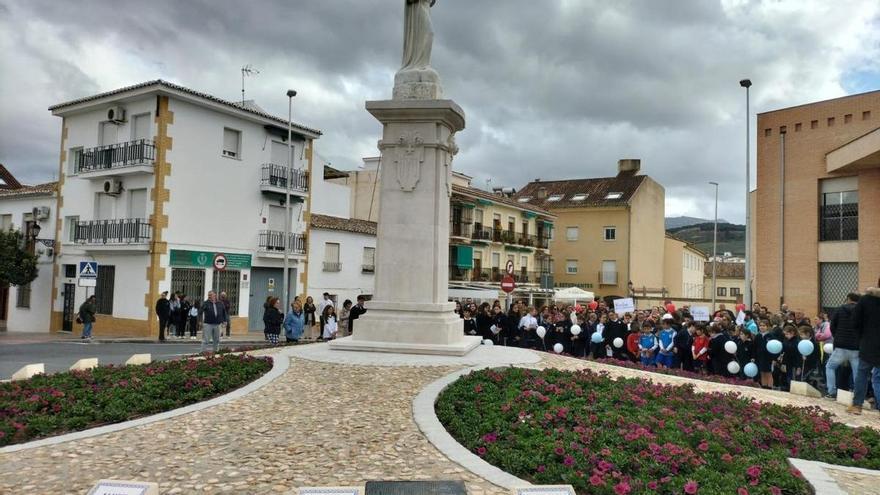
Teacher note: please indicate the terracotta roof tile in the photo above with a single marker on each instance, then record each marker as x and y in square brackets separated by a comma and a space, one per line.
[726, 269]
[497, 198]
[597, 191]
[48, 188]
[7, 180]
[353, 225]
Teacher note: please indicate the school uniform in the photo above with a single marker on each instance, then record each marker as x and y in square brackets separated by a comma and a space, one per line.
[683, 342]
[666, 339]
[718, 355]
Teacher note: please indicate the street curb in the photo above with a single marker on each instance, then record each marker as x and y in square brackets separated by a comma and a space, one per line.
[280, 363]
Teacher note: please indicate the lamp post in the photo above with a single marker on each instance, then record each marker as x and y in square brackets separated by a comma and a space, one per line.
[715, 250]
[287, 223]
[747, 299]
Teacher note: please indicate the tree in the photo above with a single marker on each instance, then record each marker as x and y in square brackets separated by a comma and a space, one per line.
[17, 265]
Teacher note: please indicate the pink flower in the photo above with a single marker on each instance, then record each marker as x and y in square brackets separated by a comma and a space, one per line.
[478, 388]
[754, 471]
[775, 490]
[703, 446]
[490, 437]
[559, 451]
[691, 487]
[568, 461]
[543, 468]
[652, 485]
[604, 465]
[481, 451]
[726, 457]
[622, 488]
[596, 480]
[742, 491]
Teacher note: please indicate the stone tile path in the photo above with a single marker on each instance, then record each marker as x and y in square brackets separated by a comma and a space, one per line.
[318, 424]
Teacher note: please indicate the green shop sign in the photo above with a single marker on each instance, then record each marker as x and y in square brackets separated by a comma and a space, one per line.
[205, 259]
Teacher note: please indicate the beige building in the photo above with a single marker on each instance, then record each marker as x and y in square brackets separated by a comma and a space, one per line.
[731, 281]
[610, 234]
[817, 214]
[682, 269]
[487, 230]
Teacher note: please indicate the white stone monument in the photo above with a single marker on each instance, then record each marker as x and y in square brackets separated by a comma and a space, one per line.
[410, 312]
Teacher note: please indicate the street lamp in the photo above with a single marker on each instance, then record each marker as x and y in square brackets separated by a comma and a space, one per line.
[715, 250]
[287, 223]
[747, 299]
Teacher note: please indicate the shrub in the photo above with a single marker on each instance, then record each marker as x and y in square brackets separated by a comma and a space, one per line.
[632, 436]
[47, 405]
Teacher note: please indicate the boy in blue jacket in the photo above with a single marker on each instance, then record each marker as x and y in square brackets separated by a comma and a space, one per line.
[647, 345]
[667, 343]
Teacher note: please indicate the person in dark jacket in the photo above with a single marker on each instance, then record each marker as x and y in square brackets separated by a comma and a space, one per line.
[615, 329]
[866, 319]
[87, 315]
[683, 341]
[213, 315]
[846, 343]
[356, 311]
[499, 321]
[718, 355]
[273, 320]
[309, 309]
[163, 311]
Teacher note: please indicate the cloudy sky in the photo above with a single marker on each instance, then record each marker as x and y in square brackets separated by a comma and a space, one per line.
[551, 88]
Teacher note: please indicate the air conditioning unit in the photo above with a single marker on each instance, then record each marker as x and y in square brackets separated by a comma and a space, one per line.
[40, 212]
[116, 114]
[112, 187]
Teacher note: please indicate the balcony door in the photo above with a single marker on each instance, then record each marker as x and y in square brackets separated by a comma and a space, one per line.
[137, 203]
[108, 134]
[279, 154]
[276, 218]
[140, 127]
[105, 206]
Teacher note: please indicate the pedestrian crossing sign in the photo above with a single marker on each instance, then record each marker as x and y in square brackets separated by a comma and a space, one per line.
[88, 269]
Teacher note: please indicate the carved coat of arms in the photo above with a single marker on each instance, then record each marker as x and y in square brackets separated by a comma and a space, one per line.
[410, 155]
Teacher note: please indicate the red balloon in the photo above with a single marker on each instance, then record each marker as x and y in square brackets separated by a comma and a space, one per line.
[740, 307]
[593, 305]
[670, 307]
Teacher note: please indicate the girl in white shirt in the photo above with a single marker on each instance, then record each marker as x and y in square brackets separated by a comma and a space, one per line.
[330, 326]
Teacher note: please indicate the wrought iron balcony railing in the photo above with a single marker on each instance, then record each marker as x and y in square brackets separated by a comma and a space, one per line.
[278, 175]
[116, 156]
[119, 231]
[273, 241]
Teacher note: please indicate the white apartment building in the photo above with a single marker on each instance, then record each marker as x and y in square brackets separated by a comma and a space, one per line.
[170, 189]
[342, 250]
[31, 210]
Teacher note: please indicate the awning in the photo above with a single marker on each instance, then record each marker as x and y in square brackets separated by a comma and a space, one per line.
[484, 294]
[573, 294]
[464, 256]
[484, 202]
[528, 214]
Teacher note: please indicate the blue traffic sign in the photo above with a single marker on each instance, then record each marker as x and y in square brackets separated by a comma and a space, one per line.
[88, 269]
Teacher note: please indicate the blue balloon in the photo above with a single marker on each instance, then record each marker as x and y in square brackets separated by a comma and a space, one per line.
[751, 370]
[596, 338]
[805, 347]
[774, 347]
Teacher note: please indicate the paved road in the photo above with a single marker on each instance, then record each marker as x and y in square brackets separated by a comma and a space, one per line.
[59, 356]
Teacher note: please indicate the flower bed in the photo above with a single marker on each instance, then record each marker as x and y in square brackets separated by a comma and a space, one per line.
[633, 436]
[47, 405]
[680, 372]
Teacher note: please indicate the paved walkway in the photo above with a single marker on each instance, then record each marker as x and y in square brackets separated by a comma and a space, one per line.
[321, 423]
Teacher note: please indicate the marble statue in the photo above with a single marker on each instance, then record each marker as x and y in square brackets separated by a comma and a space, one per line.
[416, 79]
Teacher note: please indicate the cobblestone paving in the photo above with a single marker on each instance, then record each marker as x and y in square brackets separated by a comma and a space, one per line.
[318, 424]
[856, 483]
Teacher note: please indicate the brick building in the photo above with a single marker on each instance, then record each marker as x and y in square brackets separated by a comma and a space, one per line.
[817, 214]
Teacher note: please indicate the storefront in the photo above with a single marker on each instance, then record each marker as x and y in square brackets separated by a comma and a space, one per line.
[195, 272]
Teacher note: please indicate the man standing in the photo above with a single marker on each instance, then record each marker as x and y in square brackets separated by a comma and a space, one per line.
[866, 319]
[226, 305]
[356, 311]
[163, 311]
[846, 343]
[213, 315]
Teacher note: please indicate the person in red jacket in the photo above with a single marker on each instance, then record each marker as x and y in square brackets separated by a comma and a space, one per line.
[632, 345]
[700, 349]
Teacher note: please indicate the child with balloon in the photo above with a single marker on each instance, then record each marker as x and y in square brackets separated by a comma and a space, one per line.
[763, 356]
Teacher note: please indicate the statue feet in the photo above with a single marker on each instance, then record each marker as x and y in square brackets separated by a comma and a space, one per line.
[417, 84]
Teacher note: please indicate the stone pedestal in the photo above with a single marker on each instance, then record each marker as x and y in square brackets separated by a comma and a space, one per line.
[410, 312]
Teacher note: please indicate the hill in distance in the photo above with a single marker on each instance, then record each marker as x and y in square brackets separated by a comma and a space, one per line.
[731, 237]
[678, 222]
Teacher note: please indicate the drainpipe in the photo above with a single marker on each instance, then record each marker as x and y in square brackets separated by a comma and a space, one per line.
[781, 217]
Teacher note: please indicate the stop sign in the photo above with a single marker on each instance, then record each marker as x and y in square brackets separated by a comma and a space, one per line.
[508, 284]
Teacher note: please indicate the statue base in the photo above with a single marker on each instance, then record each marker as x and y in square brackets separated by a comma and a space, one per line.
[417, 84]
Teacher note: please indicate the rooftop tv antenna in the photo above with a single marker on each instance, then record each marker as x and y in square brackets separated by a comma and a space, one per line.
[247, 70]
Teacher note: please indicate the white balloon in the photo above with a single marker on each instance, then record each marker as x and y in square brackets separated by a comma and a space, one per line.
[733, 367]
[488, 342]
[829, 348]
[730, 346]
[558, 348]
[618, 342]
[541, 331]
[574, 317]
[575, 330]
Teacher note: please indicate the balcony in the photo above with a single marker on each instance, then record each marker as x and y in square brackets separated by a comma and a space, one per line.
[492, 275]
[607, 278]
[460, 230]
[480, 233]
[332, 266]
[131, 158]
[275, 180]
[271, 244]
[127, 234]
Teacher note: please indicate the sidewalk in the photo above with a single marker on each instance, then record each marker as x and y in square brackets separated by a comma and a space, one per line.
[55, 337]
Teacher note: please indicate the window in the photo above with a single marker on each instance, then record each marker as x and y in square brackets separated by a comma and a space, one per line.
[331, 257]
[610, 233]
[614, 195]
[524, 199]
[734, 291]
[836, 280]
[525, 228]
[609, 273]
[24, 296]
[814, 124]
[478, 217]
[579, 197]
[6, 222]
[722, 292]
[104, 289]
[830, 121]
[866, 115]
[227, 281]
[571, 267]
[231, 143]
[73, 158]
[571, 233]
[511, 224]
[797, 127]
[524, 263]
[369, 260]
[839, 216]
[555, 197]
[71, 223]
[140, 127]
[496, 260]
[767, 132]
[137, 203]
[847, 118]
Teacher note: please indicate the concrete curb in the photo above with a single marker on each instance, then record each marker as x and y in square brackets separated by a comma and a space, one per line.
[822, 482]
[280, 363]
[429, 424]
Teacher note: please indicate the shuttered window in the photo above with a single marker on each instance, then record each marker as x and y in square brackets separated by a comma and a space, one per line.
[231, 143]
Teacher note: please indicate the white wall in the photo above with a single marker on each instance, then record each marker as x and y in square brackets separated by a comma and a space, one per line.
[36, 317]
[692, 274]
[328, 198]
[350, 281]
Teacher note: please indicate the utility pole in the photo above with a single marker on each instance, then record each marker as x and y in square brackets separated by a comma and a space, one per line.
[747, 297]
[288, 241]
[715, 250]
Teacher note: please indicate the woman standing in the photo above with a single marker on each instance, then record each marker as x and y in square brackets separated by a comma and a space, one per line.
[266, 306]
[174, 303]
[330, 326]
[182, 317]
[87, 316]
[309, 310]
[294, 323]
[193, 321]
[344, 313]
[273, 320]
